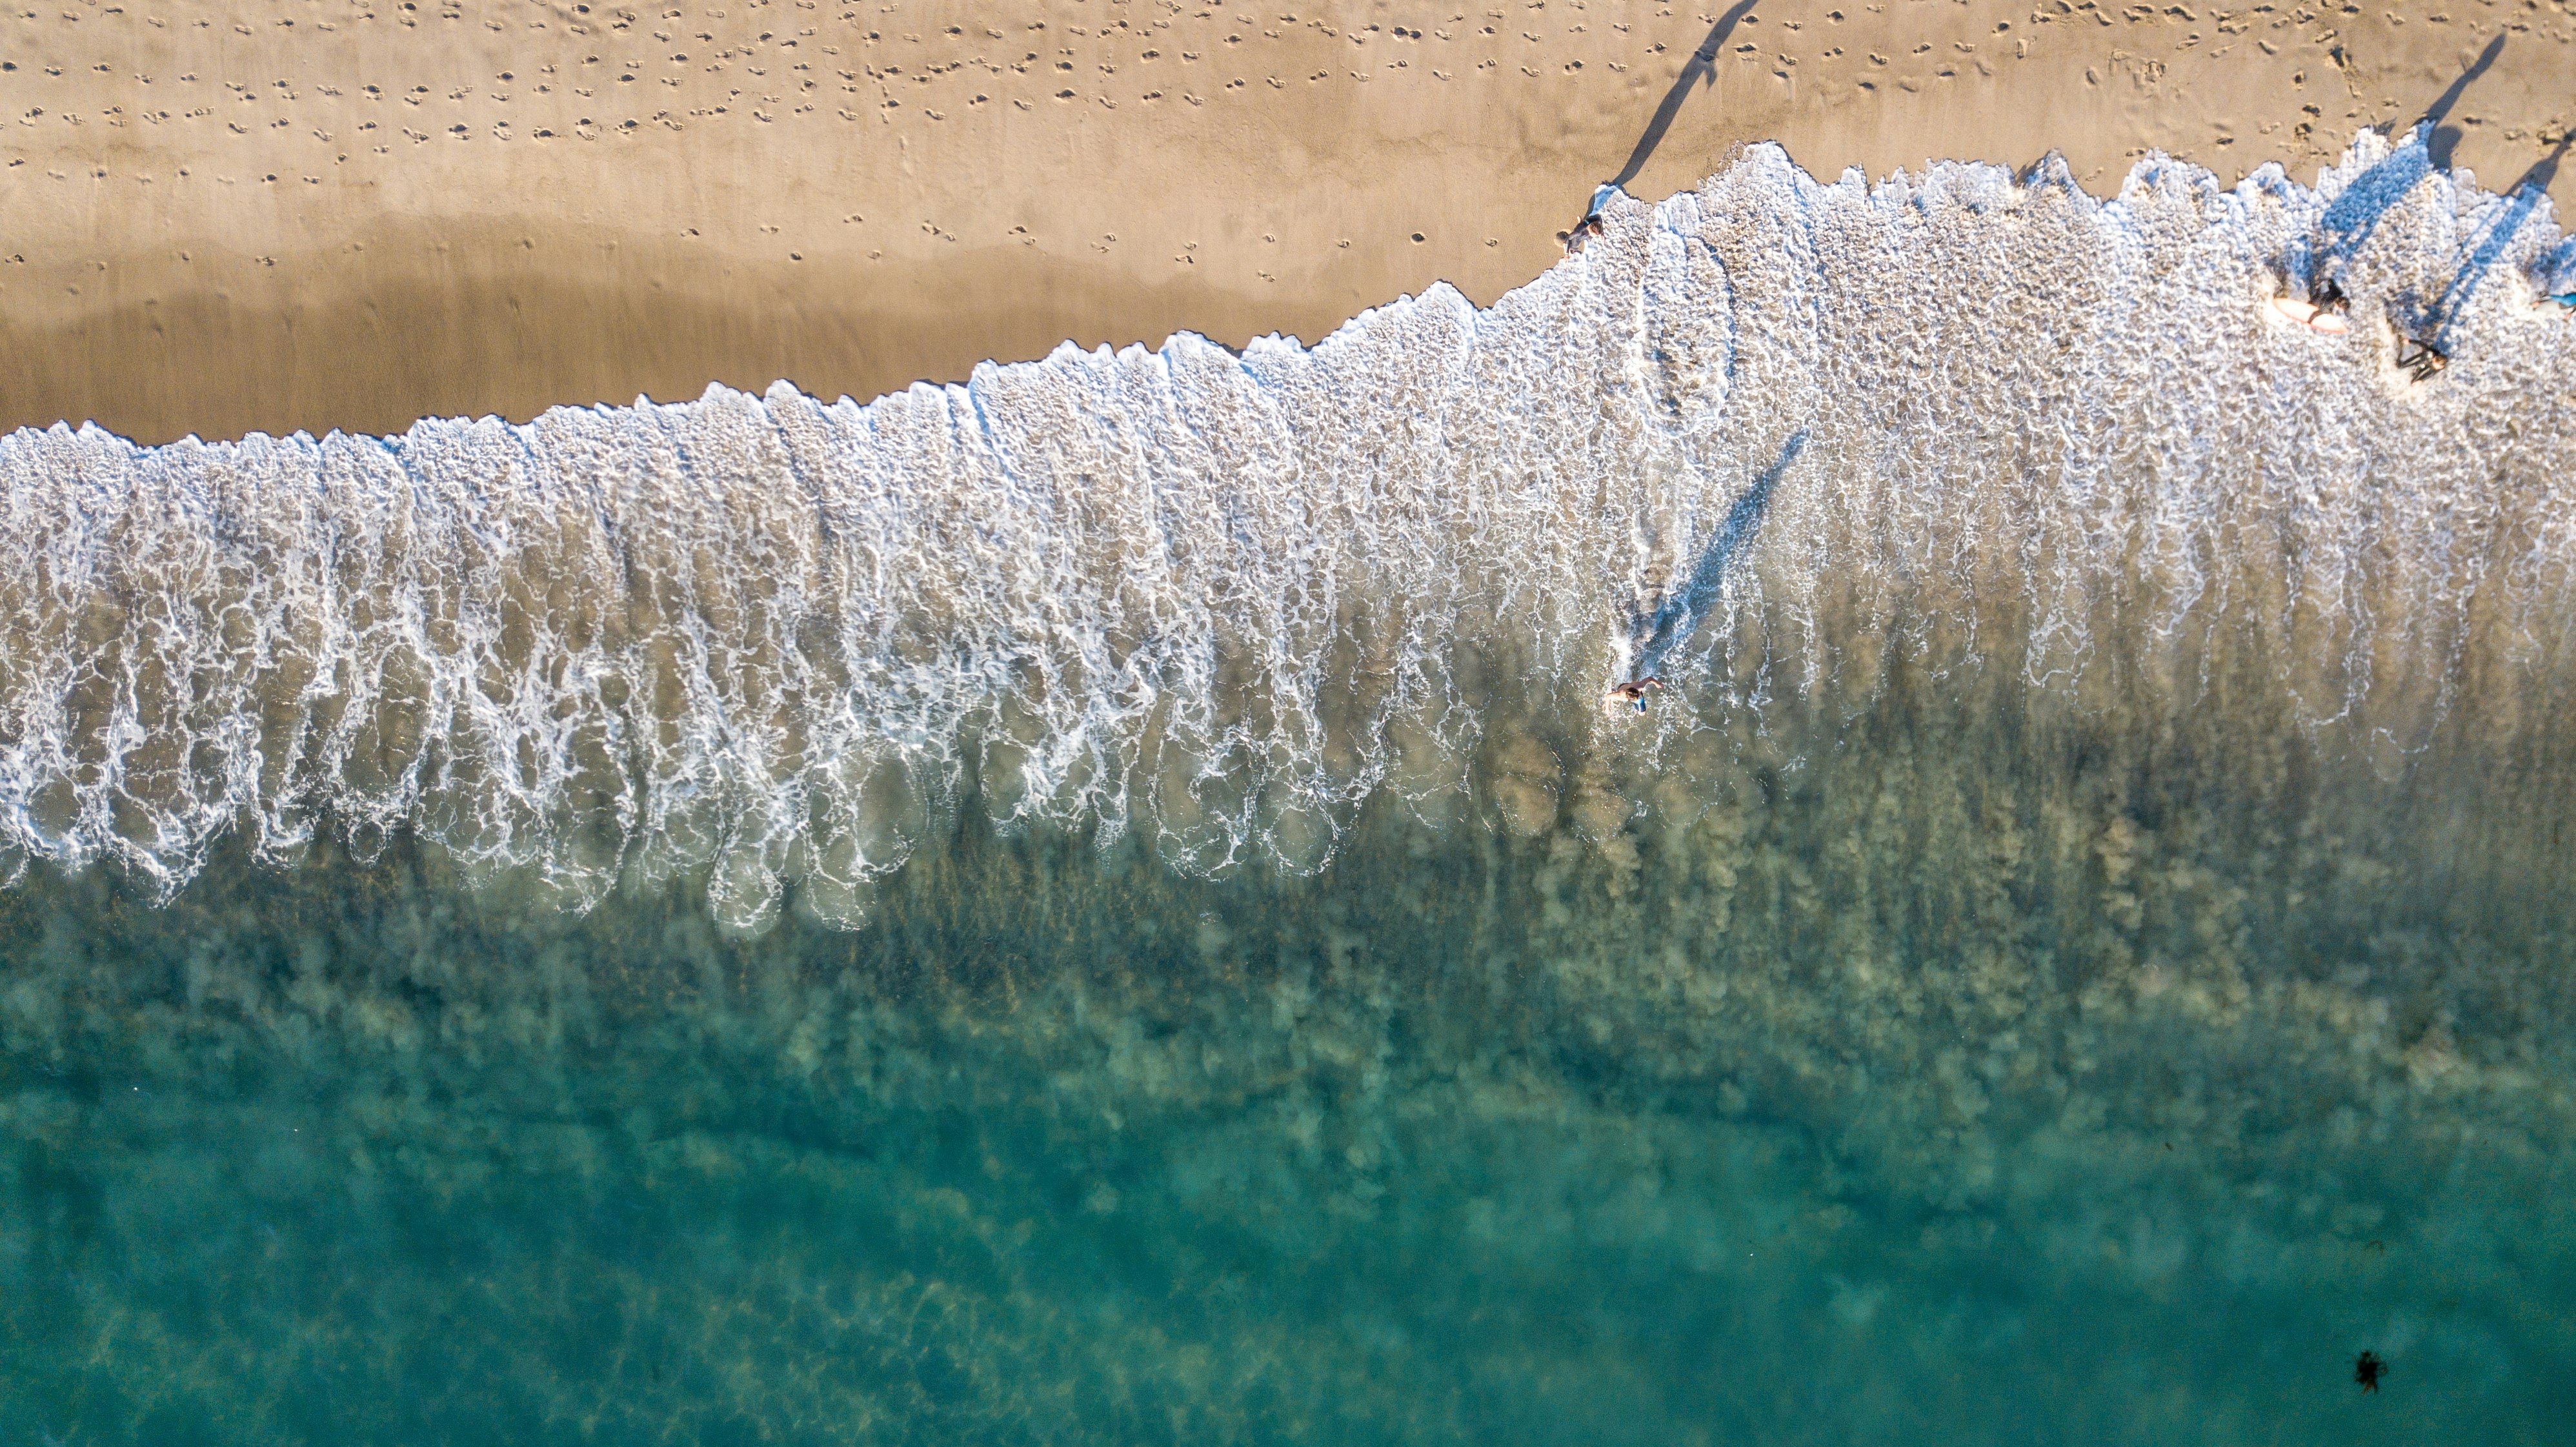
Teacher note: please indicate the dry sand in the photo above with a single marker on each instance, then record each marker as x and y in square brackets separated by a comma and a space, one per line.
[351, 213]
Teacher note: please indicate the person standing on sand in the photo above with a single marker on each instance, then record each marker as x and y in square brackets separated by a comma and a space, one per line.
[1593, 223]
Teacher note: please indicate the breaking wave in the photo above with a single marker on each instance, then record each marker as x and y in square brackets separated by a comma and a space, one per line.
[1769, 439]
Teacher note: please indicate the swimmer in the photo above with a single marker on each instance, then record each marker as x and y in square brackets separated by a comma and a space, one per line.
[1590, 226]
[2323, 311]
[2419, 359]
[1631, 693]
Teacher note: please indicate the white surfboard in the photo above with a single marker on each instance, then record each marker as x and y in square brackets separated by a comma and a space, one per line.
[2309, 315]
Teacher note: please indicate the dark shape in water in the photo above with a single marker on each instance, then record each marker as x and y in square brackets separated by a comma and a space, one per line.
[1671, 624]
[2366, 1370]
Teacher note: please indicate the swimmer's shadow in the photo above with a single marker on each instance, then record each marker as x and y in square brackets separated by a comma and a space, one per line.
[1671, 624]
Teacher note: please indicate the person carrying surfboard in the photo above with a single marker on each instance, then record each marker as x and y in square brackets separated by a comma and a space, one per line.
[2326, 309]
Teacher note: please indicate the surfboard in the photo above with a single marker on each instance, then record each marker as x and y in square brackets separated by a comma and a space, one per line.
[2309, 315]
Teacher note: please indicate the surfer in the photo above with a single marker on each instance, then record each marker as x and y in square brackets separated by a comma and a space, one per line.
[2420, 359]
[2556, 303]
[2325, 310]
[1631, 693]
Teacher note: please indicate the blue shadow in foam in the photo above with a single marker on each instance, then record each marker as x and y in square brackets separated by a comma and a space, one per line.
[1673, 623]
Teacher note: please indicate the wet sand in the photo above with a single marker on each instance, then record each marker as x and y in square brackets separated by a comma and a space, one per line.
[319, 215]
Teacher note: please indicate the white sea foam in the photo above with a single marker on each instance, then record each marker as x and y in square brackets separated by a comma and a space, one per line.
[1760, 437]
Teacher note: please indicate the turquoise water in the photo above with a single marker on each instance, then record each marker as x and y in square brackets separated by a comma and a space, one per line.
[1103, 905]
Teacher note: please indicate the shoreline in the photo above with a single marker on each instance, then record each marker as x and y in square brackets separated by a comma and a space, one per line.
[908, 195]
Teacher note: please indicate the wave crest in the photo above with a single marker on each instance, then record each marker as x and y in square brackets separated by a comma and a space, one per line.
[1769, 437]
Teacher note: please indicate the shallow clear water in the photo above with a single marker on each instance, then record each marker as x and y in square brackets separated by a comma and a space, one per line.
[1102, 905]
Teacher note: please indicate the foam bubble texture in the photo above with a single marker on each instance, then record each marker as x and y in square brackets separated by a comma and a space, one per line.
[1761, 438]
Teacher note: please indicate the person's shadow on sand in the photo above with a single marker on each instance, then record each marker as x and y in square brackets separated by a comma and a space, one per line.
[2445, 138]
[1701, 69]
[2544, 172]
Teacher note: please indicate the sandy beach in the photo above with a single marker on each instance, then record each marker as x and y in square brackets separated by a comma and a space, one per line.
[316, 214]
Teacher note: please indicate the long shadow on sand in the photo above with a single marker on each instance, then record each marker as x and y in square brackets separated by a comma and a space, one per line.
[1701, 70]
[2446, 138]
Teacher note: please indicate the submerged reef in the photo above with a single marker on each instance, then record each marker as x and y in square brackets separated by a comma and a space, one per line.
[1812, 1117]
